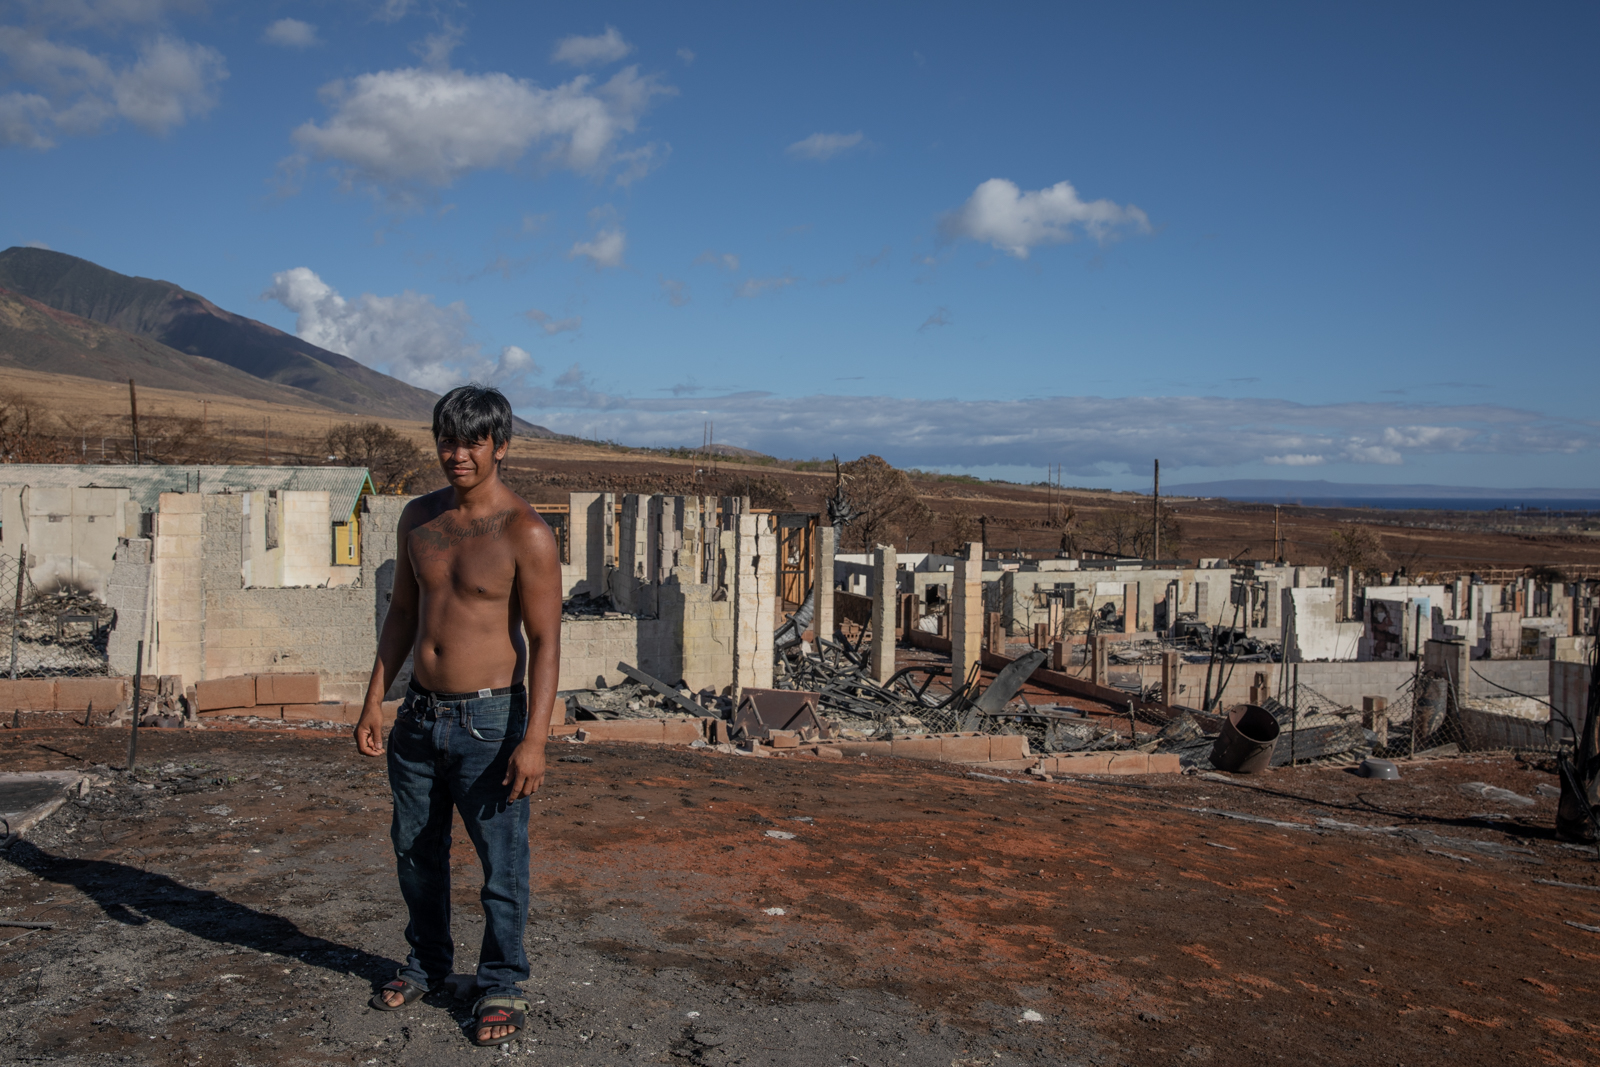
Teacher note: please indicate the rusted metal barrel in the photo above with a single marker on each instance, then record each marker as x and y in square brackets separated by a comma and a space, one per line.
[1246, 742]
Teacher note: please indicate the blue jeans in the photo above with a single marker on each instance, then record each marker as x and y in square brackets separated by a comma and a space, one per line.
[446, 755]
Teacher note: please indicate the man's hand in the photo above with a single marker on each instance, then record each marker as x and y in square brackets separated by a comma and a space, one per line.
[369, 731]
[526, 770]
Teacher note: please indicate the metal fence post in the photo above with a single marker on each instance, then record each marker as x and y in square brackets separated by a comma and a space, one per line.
[16, 616]
[133, 735]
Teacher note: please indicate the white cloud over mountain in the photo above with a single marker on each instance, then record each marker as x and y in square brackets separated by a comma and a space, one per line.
[999, 213]
[407, 335]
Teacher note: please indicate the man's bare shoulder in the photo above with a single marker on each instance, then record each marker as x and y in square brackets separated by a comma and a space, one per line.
[425, 508]
[527, 527]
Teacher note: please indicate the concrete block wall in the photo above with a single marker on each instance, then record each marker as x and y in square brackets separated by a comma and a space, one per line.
[249, 631]
[754, 591]
[592, 648]
[705, 633]
[128, 594]
[180, 586]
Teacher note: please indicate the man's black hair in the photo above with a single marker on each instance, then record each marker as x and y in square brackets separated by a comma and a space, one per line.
[469, 413]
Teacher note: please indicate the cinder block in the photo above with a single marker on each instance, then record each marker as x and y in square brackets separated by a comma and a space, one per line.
[76, 694]
[829, 752]
[563, 729]
[928, 748]
[1011, 764]
[783, 739]
[647, 730]
[865, 748]
[1008, 747]
[236, 692]
[716, 731]
[268, 711]
[288, 688]
[1165, 763]
[28, 694]
[1129, 763]
[681, 731]
[1078, 763]
[334, 711]
[966, 750]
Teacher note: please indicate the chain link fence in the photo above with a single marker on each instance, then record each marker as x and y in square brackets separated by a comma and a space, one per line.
[1427, 714]
[59, 634]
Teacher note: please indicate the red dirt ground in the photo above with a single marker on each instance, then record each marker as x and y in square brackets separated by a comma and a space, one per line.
[1141, 925]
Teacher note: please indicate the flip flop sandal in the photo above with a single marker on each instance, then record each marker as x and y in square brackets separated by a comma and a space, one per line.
[409, 994]
[501, 1010]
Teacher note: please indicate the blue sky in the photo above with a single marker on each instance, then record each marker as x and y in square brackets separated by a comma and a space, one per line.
[1352, 242]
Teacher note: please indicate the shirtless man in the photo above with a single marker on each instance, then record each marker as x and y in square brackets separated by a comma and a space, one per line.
[476, 568]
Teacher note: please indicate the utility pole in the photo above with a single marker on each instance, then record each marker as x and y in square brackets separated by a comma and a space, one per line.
[133, 407]
[1277, 551]
[266, 439]
[1155, 514]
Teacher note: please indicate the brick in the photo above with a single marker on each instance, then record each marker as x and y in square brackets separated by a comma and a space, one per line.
[334, 711]
[1129, 763]
[28, 694]
[966, 750]
[928, 748]
[288, 688]
[1008, 747]
[75, 694]
[236, 692]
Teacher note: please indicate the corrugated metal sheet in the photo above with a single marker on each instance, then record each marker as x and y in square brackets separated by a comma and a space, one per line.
[146, 484]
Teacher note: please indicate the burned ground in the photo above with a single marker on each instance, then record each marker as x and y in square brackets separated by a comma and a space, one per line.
[235, 904]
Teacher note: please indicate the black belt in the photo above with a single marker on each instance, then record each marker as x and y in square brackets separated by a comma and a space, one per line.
[477, 694]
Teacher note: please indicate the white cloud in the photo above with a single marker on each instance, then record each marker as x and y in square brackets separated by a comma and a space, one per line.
[396, 128]
[757, 286]
[1000, 214]
[70, 90]
[1294, 459]
[408, 335]
[553, 326]
[292, 33]
[392, 10]
[603, 48]
[434, 49]
[726, 260]
[675, 291]
[940, 317]
[571, 378]
[824, 145]
[107, 14]
[687, 56]
[1091, 435]
[604, 251]
[36, 244]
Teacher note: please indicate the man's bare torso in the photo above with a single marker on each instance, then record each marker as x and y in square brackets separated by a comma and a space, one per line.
[469, 632]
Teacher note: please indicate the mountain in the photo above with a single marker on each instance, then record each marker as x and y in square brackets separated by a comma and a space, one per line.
[34, 336]
[178, 319]
[1268, 490]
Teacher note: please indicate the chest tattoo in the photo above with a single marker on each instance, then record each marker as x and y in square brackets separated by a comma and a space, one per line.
[436, 539]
